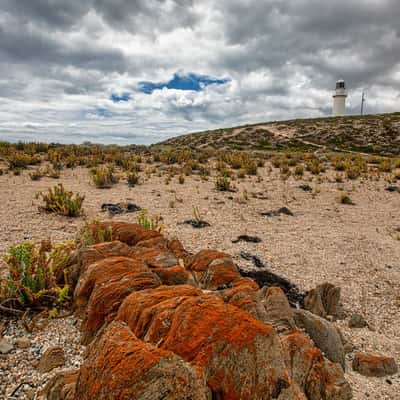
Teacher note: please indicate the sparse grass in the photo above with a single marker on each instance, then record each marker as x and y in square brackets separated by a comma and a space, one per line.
[151, 223]
[94, 233]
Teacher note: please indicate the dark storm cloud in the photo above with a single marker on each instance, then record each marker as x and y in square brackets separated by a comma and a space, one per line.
[147, 15]
[57, 14]
[34, 47]
[63, 61]
[312, 34]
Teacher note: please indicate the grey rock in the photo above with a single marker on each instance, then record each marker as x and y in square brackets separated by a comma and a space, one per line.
[324, 334]
[6, 346]
[357, 321]
[324, 300]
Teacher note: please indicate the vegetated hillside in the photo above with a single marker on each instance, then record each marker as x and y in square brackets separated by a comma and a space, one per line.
[375, 134]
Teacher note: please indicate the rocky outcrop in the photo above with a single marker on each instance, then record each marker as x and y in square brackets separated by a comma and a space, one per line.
[163, 324]
[236, 353]
[317, 378]
[120, 366]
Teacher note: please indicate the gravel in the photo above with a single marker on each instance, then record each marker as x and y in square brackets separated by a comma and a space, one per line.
[356, 248]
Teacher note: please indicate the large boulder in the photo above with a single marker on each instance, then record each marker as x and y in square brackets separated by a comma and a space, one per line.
[213, 270]
[324, 334]
[119, 366]
[103, 287]
[239, 356]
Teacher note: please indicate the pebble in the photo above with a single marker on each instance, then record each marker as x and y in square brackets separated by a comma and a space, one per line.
[6, 346]
[23, 342]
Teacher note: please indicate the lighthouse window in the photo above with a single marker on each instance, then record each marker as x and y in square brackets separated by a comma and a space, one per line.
[340, 85]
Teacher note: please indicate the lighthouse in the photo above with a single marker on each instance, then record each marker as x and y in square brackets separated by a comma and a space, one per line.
[339, 99]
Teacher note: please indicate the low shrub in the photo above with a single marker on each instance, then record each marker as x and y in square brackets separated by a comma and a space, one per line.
[132, 178]
[223, 184]
[103, 177]
[345, 199]
[36, 175]
[61, 201]
[37, 276]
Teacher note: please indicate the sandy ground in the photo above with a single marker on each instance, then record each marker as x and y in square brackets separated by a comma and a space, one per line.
[355, 247]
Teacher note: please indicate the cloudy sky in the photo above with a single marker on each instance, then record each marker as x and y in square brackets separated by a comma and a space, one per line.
[138, 71]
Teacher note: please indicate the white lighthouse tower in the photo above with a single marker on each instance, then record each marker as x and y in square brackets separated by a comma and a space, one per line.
[339, 99]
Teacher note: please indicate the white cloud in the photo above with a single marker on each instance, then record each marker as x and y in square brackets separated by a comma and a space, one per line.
[61, 63]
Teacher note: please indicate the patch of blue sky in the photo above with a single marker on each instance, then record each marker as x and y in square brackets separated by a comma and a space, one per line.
[118, 98]
[193, 82]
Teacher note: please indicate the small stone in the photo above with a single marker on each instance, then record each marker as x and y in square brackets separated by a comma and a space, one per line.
[52, 358]
[23, 342]
[5, 346]
[357, 321]
[374, 365]
[348, 347]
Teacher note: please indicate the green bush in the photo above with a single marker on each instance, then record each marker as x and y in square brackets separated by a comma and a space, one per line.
[37, 276]
[103, 177]
[61, 201]
[223, 184]
[132, 178]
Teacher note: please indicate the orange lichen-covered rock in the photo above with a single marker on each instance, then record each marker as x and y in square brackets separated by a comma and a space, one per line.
[315, 376]
[125, 232]
[374, 365]
[213, 270]
[243, 295]
[154, 257]
[119, 366]
[173, 276]
[239, 356]
[140, 308]
[106, 298]
[101, 272]
[91, 254]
